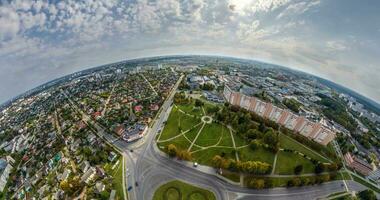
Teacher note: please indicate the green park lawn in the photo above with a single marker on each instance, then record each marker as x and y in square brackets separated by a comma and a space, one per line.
[205, 157]
[289, 143]
[191, 109]
[259, 154]
[117, 174]
[210, 135]
[176, 121]
[177, 190]
[180, 142]
[226, 137]
[215, 139]
[287, 161]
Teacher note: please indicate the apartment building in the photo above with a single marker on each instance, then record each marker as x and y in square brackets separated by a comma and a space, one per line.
[357, 164]
[314, 131]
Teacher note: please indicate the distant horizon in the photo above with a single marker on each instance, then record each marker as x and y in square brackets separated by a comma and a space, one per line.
[191, 55]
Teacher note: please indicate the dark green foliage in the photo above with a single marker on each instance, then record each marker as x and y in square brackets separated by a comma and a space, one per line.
[367, 195]
[336, 110]
[292, 104]
[298, 169]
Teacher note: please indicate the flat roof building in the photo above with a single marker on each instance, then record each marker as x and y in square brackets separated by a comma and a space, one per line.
[357, 164]
[314, 131]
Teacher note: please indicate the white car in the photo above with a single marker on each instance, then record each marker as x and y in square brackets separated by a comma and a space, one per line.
[195, 164]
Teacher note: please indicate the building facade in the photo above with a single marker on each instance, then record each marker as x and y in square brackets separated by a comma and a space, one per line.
[314, 131]
[357, 164]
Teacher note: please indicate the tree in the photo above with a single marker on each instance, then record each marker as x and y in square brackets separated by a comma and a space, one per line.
[254, 134]
[367, 195]
[333, 167]
[257, 183]
[298, 169]
[319, 168]
[198, 103]
[184, 155]
[294, 182]
[271, 139]
[65, 186]
[217, 161]
[305, 181]
[254, 144]
[172, 150]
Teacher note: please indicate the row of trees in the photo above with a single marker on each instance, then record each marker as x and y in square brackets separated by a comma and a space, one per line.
[249, 126]
[181, 154]
[266, 182]
[251, 167]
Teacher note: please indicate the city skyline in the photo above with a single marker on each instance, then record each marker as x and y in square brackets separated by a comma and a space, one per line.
[41, 41]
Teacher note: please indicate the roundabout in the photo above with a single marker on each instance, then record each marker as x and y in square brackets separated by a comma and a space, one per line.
[206, 119]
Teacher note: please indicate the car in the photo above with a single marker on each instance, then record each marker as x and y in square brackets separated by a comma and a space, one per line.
[136, 184]
[195, 164]
[131, 150]
[129, 188]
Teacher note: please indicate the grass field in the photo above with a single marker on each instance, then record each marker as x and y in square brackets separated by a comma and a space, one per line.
[205, 156]
[210, 135]
[288, 143]
[177, 190]
[287, 161]
[259, 154]
[117, 181]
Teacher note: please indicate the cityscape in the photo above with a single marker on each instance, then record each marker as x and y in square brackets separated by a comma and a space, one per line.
[189, 100]
[123, 130]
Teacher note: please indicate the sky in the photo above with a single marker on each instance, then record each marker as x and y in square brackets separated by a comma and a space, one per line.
[334, 39]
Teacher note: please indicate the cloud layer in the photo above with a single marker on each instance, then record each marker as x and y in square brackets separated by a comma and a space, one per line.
[42, 40]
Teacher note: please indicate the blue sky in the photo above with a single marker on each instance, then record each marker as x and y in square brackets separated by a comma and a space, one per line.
[335, 39]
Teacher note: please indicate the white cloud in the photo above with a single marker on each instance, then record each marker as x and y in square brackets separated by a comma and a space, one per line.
[9, 23]
[245, 7]
[336, 45]
[298, 8]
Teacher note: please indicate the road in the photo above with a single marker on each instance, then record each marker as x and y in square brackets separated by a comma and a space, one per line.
[150, 168]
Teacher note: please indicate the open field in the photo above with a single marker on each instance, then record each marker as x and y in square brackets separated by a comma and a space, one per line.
[259, 154]
[289, 143]
[177, 190]
[287, 161]
[117, 174]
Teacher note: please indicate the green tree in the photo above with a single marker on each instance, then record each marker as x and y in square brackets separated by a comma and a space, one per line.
[254, 144]
[257, 183]
[367, 195]
[172, 150]
[319, 168]
[198, 103]
[217, 161]
[298, 169]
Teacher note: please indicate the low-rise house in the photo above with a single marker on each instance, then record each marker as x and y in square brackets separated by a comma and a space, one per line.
[99, 186]
[64, 175]
[88, 175]
[112, 156]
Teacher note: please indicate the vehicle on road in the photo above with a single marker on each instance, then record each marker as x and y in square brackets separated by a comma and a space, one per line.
[195, 164]
[129, 188]
[136, 184]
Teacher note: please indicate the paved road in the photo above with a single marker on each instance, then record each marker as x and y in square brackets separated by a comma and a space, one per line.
[150, 168]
